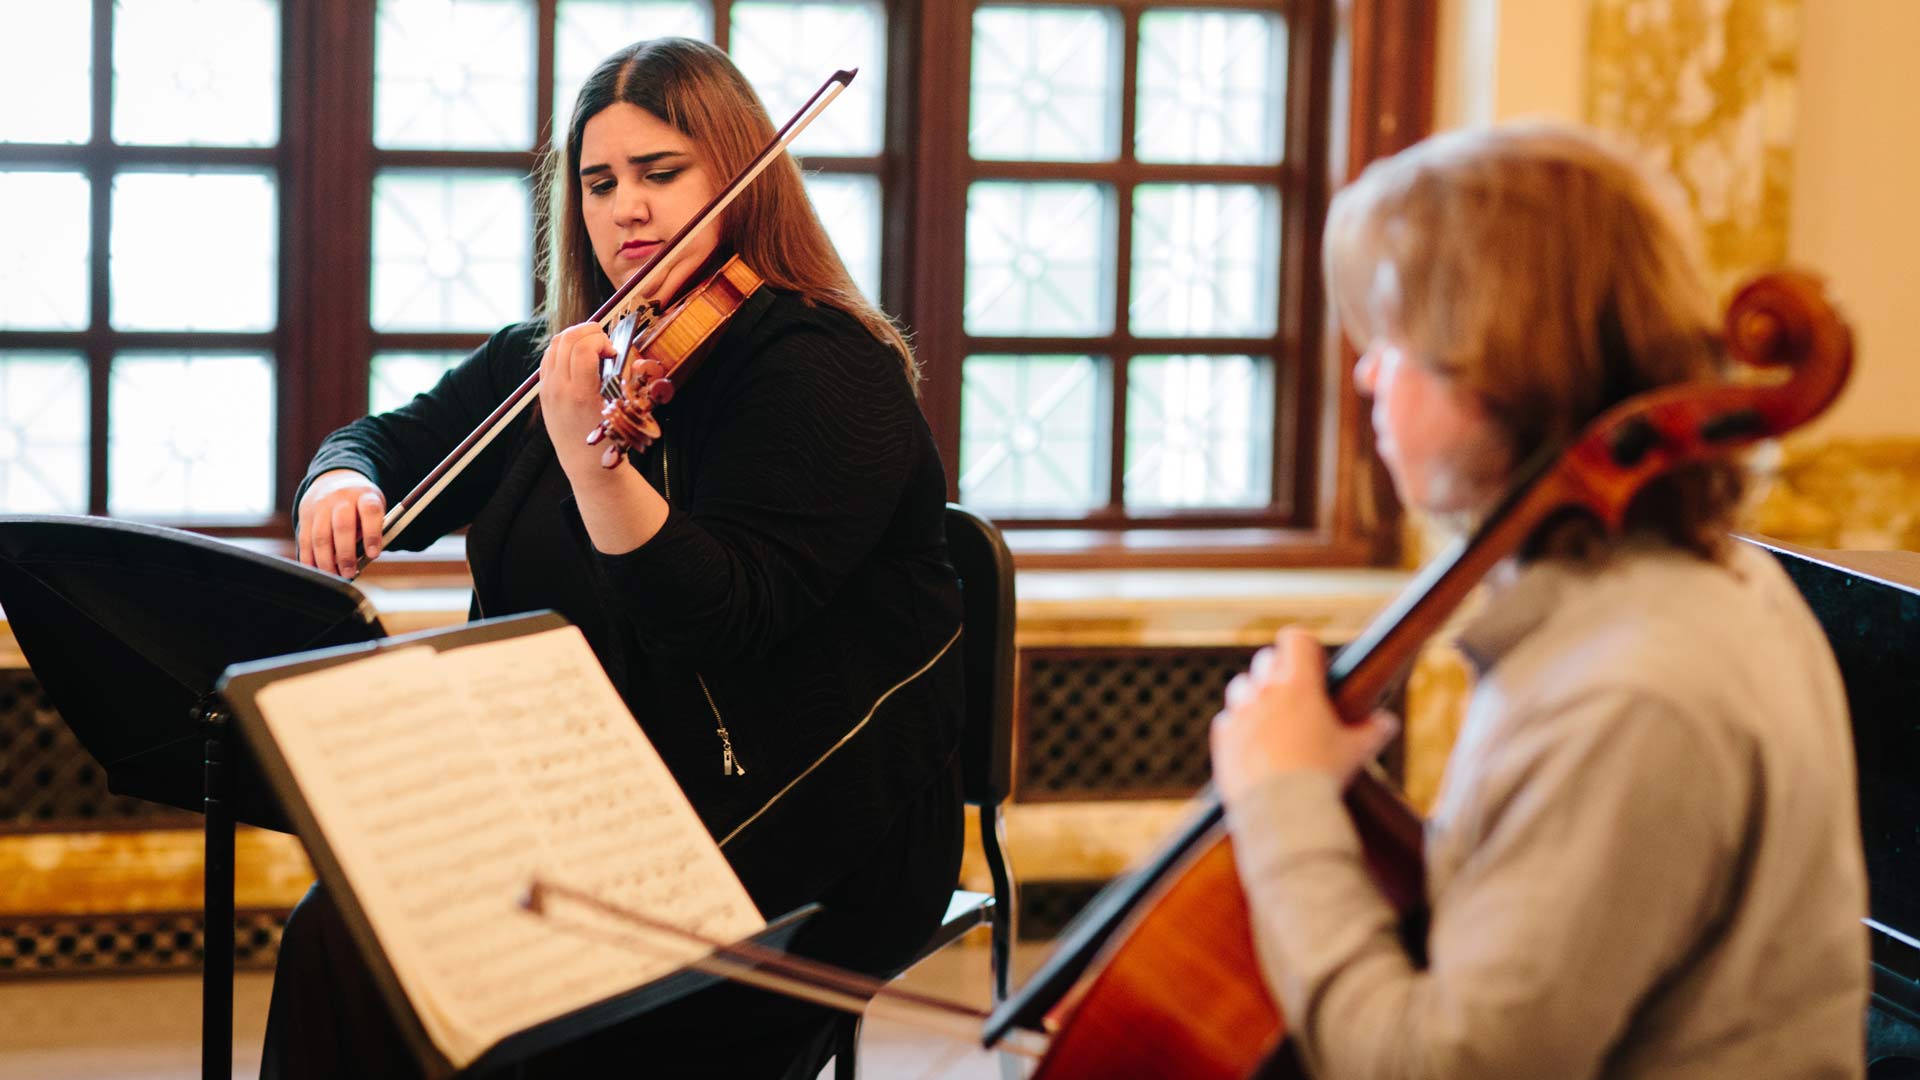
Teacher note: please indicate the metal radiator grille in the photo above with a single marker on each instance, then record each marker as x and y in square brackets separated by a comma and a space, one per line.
[47, 778]
[1047, 906]
[1119, 723]
[121, 944]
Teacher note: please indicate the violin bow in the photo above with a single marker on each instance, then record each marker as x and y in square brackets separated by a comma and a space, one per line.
[625, 301]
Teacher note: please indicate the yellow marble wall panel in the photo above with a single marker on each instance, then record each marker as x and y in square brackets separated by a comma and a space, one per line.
[140, 870]
[1842, 493]
[1705, 90]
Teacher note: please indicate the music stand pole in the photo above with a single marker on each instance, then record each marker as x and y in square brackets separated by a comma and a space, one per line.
[216, 977]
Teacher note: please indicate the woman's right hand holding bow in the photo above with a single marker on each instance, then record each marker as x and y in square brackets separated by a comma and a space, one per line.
[341, 512]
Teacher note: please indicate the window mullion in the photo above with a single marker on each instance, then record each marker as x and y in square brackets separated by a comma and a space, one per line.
[98, 168]
[936, 244]
[1123, 264]
[336, 145]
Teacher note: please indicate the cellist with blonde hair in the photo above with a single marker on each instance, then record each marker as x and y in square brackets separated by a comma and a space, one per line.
[1645, 860]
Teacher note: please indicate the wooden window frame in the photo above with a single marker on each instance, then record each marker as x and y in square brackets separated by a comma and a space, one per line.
[1332, 505]
[1377, 55]
[101, 160]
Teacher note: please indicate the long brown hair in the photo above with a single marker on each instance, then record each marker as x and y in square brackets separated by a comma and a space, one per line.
[1547, 274]
[696, 88]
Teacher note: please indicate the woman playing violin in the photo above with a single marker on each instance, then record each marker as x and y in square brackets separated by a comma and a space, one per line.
[1645, 860]
[768, 584]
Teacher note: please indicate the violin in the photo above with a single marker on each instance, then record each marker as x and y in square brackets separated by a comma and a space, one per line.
[655, 349]
[648, 367]
[1176, 988]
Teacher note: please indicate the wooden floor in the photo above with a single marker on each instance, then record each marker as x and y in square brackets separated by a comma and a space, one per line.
[148, 1027]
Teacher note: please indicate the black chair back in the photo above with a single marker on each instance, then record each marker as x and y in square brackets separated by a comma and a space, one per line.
[985, 566]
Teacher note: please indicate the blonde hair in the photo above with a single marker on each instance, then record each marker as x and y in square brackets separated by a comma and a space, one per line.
[772, 225]
[1543, 272]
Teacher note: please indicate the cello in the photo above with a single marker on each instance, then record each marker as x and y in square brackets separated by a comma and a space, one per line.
[1158, 977]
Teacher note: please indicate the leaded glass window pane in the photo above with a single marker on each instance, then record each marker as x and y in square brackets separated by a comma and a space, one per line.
[196, 72]
[1032, 438]
[586, 32]
[849, 207]
[43, 261]
[1212, 87]
[454, 74]
[1039, 258]
[1205, 260]
[190, 436]
[43, 433]
[397, 377]
[451, 250]
[194, 251]
[1046, 84]
[46, 59]
[1199, 432]
[787, 50]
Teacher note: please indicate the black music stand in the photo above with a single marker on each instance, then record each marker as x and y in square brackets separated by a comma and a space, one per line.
[128, 627]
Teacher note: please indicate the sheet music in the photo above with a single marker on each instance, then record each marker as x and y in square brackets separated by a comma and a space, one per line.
[444, 781]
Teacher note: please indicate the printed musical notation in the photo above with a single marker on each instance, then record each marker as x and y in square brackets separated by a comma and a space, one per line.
[444, 781]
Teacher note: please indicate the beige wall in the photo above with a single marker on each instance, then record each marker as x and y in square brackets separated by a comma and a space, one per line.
[1856, 185]
[1856, 197]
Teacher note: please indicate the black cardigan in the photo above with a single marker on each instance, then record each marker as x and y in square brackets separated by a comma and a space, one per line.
[802, 575]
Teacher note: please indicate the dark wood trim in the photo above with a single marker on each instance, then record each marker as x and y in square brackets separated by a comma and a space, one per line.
[1391, 103]
[512, 161]
[936, 276]
[1297, 375]
[337, 145]
[1126, 171]
[1236, 546]
[894, 166]
[293, 345]
[1135, 547]
[136, 156]
[1123, 343]
[1390, 107]
[461, 341]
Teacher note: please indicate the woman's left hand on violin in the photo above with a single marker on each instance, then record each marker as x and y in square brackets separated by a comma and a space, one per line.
[570, 398]
[1279, 719]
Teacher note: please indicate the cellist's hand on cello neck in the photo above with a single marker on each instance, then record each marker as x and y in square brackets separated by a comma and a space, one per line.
[1279, 719]
[340, 514]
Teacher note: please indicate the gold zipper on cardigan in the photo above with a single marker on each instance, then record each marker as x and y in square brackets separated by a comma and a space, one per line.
[844, 739]
[729, 763]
